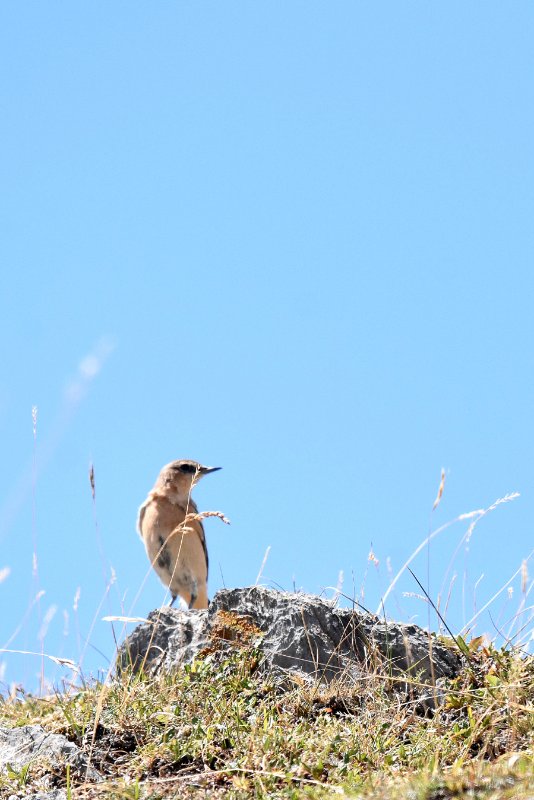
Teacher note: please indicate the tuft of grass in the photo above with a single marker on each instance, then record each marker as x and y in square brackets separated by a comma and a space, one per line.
[226, 728]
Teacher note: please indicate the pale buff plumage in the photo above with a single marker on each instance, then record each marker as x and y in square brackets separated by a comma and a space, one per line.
[175, 543]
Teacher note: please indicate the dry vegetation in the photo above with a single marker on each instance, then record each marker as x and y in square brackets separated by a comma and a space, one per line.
[223, 727]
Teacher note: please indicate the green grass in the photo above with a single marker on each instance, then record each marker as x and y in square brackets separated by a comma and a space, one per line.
[223, 727]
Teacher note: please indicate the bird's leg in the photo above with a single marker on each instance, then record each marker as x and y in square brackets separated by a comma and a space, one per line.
[173, 600]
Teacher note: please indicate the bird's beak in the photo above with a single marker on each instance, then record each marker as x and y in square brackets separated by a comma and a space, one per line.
[205, 470]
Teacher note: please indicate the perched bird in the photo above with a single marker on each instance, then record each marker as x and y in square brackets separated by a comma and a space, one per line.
[174, 540]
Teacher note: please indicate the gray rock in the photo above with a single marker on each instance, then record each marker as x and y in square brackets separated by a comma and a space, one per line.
[169, 638]
[295, 632]
[22, 746]
[54, 794]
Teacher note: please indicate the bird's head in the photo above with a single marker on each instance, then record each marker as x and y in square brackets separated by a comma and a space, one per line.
[178, 478]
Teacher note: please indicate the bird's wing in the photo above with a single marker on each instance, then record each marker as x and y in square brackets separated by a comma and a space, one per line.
[140, 518]
[202, 537]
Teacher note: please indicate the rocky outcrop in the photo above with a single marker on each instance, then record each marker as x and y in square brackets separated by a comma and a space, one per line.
[22, 746]
[294, 632]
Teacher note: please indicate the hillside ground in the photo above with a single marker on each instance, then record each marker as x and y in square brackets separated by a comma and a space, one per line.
[224, 728]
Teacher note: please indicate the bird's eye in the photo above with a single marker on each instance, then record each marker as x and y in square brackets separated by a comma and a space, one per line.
[187, 469]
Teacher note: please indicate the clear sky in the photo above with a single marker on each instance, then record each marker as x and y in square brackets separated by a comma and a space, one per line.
[291, 239]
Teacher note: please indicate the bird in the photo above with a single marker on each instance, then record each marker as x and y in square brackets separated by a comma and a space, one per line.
[173, 536]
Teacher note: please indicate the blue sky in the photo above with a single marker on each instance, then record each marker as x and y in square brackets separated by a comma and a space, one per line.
[290, 239]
